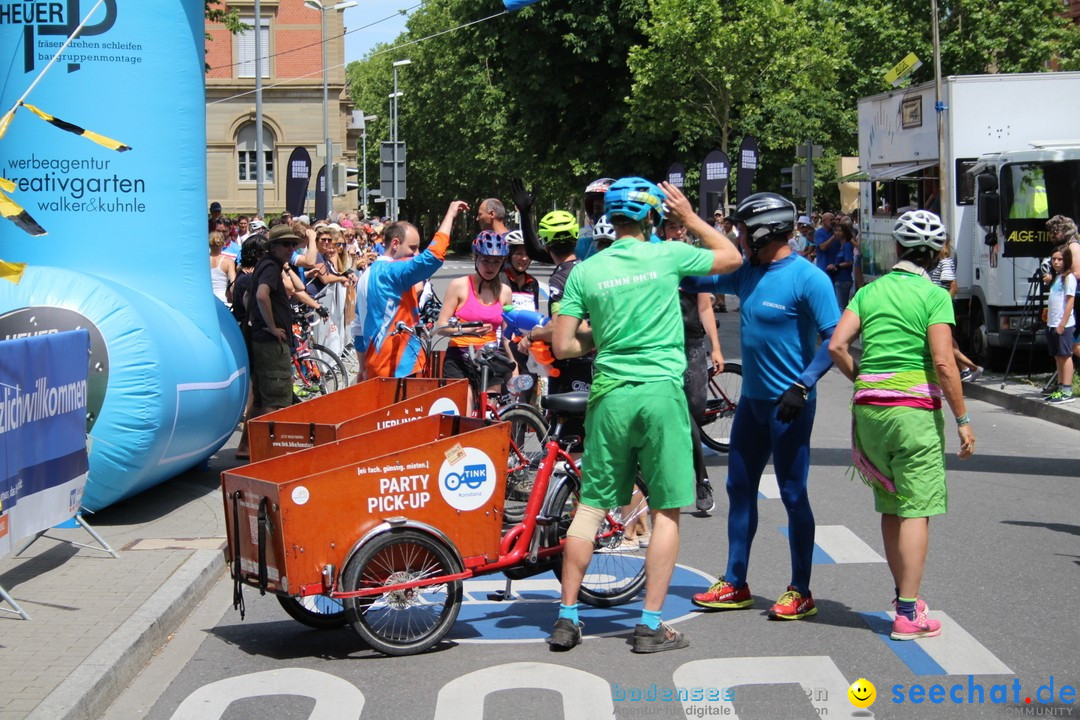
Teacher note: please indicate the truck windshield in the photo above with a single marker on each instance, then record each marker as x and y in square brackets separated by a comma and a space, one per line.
[1038, 191]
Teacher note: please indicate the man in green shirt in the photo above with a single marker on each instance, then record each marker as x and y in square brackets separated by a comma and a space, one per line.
[637, 409]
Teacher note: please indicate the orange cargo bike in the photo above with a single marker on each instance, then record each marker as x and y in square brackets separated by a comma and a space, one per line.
[391, 522]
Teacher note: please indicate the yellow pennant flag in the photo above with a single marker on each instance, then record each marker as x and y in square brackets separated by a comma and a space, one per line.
[15, 213]
[5, 121]
[72, 128]
[12, 271]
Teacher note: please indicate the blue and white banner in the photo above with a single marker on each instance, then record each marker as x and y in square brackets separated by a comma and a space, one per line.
[43, 405]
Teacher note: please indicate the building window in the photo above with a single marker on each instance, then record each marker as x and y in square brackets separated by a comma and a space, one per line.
[245, 49]
[246, 153]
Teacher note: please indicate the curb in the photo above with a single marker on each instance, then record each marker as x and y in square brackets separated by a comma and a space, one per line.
[1030, 407]
[89, 691]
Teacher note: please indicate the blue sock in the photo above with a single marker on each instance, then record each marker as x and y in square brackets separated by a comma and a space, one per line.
[569, 612]
[650, 618]
[906, 607]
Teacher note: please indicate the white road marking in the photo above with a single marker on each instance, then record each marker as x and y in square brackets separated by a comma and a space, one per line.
[584, 696]
[844, 546]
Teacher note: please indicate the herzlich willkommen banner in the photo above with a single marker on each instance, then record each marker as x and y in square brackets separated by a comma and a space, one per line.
[42, 432]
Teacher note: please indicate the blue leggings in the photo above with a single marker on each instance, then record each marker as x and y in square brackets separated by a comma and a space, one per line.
[755, 433]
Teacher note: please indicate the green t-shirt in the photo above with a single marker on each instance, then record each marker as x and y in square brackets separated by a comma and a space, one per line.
[630, 294]
[896, 312]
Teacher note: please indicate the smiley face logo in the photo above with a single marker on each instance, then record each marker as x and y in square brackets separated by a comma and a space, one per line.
[862, 693]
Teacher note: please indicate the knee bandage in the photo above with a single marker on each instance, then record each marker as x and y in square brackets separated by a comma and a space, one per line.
[586, 522]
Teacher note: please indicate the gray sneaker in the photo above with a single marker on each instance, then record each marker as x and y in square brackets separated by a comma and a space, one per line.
[565, 635]
[972, 375]
[705, 503]
[665, 637]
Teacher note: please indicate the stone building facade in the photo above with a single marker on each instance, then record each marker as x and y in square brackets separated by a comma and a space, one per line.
[292, 103]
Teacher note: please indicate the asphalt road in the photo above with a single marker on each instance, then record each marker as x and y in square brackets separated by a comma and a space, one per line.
[1002, 576]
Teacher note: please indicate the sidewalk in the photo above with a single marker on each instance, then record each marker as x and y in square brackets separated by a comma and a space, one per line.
[97, 620]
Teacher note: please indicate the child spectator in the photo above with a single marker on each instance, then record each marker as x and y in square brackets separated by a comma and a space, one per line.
[1060, 323]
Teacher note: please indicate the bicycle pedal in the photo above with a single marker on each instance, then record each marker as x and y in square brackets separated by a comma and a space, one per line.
[501, 596]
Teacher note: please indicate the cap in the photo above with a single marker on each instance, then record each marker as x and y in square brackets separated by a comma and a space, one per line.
[256, 225]
[280, 233]
[215, 207]
[304, 219]
[803, 220]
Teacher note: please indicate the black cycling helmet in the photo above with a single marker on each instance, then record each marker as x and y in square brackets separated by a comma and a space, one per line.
[767, 217]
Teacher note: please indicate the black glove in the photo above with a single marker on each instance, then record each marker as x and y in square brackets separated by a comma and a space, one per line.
[791, 403]
[523, 199]
[322, 312]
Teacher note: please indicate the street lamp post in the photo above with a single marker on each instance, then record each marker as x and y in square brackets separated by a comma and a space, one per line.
[364, 119]
[329, 160]
[394, 140]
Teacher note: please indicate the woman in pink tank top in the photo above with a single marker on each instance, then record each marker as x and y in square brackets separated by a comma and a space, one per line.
[477, 297]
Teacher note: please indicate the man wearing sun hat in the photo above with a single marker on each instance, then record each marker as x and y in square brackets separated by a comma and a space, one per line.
[270, 319]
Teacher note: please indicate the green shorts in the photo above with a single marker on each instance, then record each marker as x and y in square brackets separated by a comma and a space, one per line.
[908, 446]
[644, 424]
[271, 374]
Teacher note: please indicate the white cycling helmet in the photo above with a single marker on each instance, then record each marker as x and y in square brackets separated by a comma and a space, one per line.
[603, 230]
[919, 228]
[514, 237]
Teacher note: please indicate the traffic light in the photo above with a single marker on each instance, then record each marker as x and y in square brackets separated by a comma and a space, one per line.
[797, 182]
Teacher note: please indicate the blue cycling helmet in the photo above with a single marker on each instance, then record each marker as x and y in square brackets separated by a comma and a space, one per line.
[635, 198]
[490, 243]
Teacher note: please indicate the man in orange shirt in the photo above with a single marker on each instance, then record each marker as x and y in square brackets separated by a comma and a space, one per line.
[388, 293]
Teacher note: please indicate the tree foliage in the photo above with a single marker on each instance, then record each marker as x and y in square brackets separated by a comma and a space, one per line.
[564, 92]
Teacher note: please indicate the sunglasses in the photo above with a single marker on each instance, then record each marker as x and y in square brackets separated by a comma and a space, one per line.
[339, 244]
[290, 243]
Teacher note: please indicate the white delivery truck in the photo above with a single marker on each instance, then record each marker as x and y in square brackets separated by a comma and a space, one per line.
[1012, 146]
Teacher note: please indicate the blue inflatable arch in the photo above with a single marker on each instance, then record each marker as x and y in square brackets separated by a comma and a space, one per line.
[125, 254]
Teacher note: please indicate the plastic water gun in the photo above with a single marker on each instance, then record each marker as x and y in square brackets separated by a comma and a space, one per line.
[541, 359]
[519, 321]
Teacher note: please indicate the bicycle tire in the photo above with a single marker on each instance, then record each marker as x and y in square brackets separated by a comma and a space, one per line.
[351, 360]
[337, 365]
[312, 377]
[616, 573]
[528, 435]
[725, 389]
[315, 611]
[402, 622]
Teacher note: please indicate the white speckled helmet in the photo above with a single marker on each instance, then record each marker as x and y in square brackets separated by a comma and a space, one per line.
[920, 228]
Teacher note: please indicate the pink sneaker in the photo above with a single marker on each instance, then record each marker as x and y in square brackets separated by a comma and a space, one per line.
[920, 627]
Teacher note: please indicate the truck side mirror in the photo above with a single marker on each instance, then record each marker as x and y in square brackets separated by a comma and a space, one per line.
[989, 210]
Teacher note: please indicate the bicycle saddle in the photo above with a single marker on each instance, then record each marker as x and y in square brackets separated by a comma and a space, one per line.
[571, 403]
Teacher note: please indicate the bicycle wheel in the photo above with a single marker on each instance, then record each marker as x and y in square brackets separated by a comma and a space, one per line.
[616, 573]
[339, 372]
[725, 389]
[528, 434]
[402, 622]
[312, 377]
[316, 611]
[352, 363]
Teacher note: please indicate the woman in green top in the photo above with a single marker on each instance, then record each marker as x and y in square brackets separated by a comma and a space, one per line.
[898, 438]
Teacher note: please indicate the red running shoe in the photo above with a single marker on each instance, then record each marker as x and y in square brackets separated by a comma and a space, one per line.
[793, 605]
[722, 595]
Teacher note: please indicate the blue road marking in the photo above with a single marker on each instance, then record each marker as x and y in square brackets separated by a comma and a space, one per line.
[917, 659]
[529, 615]
[820, 556]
